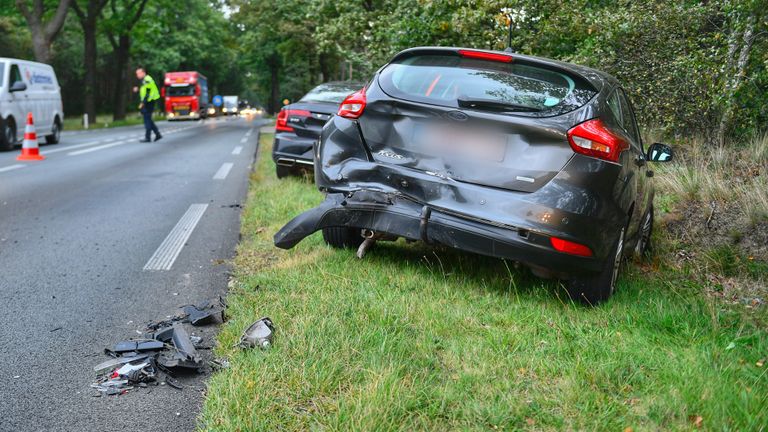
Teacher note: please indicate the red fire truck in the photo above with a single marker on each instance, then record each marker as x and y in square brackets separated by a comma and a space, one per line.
[186, 95]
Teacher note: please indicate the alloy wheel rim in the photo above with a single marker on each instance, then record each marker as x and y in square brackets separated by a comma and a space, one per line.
[617, 260]
[645, 234]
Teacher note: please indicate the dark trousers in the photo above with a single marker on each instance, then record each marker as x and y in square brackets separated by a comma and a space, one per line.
[149, 124]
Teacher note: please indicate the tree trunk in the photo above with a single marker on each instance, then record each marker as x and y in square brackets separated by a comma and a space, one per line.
[733, 82]
[89, 60]
[274, 100]
[122, 66]
[43, 34]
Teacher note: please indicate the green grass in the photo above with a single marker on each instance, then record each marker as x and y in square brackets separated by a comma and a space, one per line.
[417, 338]
[106, 121]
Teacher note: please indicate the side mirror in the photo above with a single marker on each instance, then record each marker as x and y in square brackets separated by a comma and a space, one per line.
[17, 87]
[659, 152]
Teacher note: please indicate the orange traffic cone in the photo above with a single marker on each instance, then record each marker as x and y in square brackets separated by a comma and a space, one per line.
[29, 149]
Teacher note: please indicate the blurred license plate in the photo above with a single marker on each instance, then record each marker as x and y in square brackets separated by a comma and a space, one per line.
[448, 140]
[181, 107]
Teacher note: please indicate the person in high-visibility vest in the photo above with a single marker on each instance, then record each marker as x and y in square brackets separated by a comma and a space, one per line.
[149, 95]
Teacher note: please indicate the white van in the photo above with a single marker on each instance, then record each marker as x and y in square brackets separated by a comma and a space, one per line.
[28, 87]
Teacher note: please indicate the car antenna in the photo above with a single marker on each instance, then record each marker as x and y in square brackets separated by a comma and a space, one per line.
[508, 49]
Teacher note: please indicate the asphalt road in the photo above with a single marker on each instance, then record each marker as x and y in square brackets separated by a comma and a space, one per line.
[76, 234]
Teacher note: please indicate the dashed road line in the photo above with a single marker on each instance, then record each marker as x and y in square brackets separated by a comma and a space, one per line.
[237, 150]
[170, 248]
[12, 167]
[93, 149]
[223, 172]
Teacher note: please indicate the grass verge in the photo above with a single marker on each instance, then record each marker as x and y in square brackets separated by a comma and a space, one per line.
[418, 338]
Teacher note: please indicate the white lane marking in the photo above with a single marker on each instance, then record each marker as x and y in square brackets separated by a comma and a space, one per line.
[93, 149]
[237, 150]
[11, 167]
[222, 173]
[73, 147]
[170, 248]
[244, 140]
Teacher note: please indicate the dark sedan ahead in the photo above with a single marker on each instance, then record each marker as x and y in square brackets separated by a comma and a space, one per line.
[511, 156]
[299, 125]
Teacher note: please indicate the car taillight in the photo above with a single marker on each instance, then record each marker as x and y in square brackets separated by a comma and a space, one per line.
[482, 55]
[570, 247]
[593, 138]
[353, 105]
[282, 118]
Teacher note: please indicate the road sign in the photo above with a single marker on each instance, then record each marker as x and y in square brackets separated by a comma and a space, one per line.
[218, 101]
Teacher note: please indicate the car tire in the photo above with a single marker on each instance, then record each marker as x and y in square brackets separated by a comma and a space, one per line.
[595, 289]
[644, 235]
[7, 134]
[283, 171]
[55, 135]
[343, 237]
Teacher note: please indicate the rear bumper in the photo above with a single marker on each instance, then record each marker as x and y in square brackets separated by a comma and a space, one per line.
[393, 214]
[291, 150]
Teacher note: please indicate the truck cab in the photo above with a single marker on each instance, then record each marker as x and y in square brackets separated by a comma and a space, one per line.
[186, 95]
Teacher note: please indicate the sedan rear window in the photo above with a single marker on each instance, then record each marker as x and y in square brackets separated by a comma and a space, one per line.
[333, 93]
[469, 83]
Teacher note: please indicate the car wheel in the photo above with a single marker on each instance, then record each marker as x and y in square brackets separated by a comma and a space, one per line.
[7, 134]
[595, 289]
[343, 237]
[55, 135]
[283, 171]
[644, 236]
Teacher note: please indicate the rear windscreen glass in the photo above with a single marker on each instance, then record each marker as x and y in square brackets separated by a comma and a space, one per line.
[180, 91]
[2, 75]
[516, 87]
[332, 93]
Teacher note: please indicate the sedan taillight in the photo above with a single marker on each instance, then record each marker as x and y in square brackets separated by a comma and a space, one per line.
[353, 105]
[282, 118]
[593, 138]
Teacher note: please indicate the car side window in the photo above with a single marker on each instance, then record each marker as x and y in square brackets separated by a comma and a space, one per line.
[615, 106]
[630, 123]
[15, 75]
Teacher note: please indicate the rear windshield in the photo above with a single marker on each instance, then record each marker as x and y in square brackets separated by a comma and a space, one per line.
[333, 93]
[2, 75]
[187, 90]
[516, 87]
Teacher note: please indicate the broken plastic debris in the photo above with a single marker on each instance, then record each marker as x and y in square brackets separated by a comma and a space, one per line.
[258, 334]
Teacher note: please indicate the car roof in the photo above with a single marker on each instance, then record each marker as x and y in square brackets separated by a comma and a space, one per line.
[597, 78]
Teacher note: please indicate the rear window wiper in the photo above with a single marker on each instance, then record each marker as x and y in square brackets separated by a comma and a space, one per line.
[495, 105]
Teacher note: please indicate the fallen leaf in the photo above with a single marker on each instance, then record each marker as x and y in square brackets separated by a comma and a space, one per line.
[628, 429]
[697, 420]
[760, 363]
[530, 421]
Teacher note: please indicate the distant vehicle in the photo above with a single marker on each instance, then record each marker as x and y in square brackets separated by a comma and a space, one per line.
[212, 111]
[29, 87]
[511, 156]
[299, 124]
[186, 95]
[230, 106]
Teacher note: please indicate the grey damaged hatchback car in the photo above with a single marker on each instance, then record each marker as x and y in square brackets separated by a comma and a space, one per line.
[505, 155]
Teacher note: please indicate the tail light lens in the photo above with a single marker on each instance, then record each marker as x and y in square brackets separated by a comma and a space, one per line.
[284, 114]
[593, 138]
[353, 105]
[570, 247]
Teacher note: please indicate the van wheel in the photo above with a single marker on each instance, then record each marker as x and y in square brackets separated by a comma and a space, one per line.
[7, 134]
[343, 237]
[55, 135]
[593, 290]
